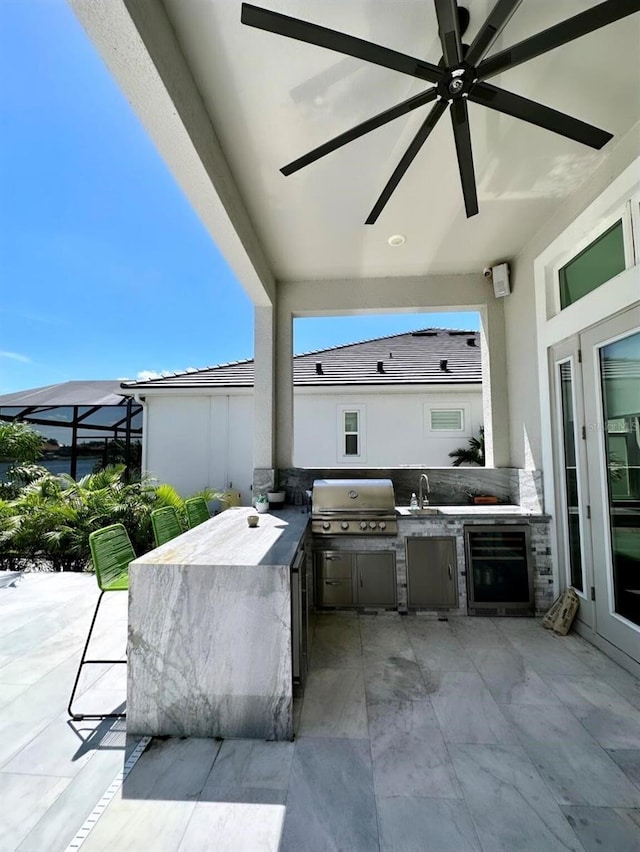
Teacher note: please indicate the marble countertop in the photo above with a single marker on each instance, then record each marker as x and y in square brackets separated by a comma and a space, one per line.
[226, 539]
[489, 510]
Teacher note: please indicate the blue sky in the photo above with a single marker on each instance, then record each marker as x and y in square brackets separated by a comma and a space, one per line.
[105, 271]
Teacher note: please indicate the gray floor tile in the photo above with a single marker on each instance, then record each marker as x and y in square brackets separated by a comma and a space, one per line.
[334, 704]
[577, 770]
[476, 632]
[467, 713]
[251, 763]
[171, 769]
[25, 799]
[609, 718]
[234, 826]
[547, 654]
[613, 829]
[393, 679]
[510, 679]
[409, 824]
[331, 804]
[63, 819]
[385, 636]
[408, 751]
[336, 643]
[134, 826]
[511, 805]
[436, 646]
[628, 761]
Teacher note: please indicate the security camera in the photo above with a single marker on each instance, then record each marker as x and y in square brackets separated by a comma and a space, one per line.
[487, 272]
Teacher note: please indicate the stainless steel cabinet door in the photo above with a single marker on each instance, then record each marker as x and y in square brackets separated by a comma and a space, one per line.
[431, 572]
[375, 579]
[334, 578]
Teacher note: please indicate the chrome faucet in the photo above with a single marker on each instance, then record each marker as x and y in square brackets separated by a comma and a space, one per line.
[422, 499]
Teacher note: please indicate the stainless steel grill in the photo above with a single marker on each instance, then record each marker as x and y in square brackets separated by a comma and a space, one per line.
[353, 507]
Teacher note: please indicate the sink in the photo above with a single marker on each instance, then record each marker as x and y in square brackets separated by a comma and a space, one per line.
[418, 513]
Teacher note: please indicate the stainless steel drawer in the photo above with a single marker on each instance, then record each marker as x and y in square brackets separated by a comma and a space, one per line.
[335, 591]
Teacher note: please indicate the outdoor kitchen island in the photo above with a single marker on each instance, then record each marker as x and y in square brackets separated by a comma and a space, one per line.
[210, 642]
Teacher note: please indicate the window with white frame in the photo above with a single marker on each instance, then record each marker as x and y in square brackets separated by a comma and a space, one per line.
[600, 261]
[350, 429]
[446, 419]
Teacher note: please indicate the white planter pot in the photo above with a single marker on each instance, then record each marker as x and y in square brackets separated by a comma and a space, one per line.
[261, 508]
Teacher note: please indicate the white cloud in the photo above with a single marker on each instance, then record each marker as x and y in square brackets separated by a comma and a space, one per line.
[143, 375]
[15, 356]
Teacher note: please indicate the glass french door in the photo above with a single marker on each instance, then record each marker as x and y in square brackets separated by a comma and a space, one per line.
[572, 501]
[611, 382]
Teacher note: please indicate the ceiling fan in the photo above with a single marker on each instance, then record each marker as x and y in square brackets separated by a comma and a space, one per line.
[459, 77]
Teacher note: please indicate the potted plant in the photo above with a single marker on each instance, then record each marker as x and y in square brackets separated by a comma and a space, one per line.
[276, 496]
[262, 504]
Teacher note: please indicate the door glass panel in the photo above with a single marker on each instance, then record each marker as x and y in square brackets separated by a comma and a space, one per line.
[620, 379]
[571, 475]
[597, 263]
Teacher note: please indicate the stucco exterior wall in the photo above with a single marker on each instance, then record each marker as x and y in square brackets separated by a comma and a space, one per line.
[523, 380]
[395, 427]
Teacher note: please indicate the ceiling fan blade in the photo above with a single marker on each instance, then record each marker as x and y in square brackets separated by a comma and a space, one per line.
[579, 25]
[540, 115]
[435, 114]
[498, 19]
[360, 130]
[449, 31]
[274, 22]
[462, 136]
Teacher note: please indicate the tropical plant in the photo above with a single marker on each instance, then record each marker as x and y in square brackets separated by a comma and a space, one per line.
[21, 446]
[472, 454]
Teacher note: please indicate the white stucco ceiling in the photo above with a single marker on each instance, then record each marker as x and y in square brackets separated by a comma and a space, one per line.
[272, 99]
[268, 100]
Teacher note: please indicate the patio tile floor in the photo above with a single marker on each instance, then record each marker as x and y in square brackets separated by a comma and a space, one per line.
[414, 734]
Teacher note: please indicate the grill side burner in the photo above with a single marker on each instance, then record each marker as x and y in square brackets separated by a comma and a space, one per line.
[353, 507]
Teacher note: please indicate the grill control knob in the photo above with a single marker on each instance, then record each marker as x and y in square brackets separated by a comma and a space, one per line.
[382, 525]
[344, 525]
[372, 525]
[326, 525]
[363, 525]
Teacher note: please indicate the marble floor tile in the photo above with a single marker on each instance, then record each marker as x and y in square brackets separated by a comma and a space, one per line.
[629, 761]
[393, 679]
[334, 704]
[408, 751]
[410, 824]
[63, 819]
[609, 718]
[133, 826]
[384, 636]
[171, 769]
[613, 829]
[251, 763]
[510, 679]
[467, 712]
[331, 804]
[476, 631]
[9, 691]
[336, 643]
[436, 647]
[24, 800]
[609, 672]
[577, 770]
[58, 750]
[511, 806]
[547, 654]
[234, 826]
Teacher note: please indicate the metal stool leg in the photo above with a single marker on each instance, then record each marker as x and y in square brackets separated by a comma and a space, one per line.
[77, 717]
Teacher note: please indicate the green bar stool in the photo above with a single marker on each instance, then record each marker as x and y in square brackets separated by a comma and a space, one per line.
[197, 511]
[111, 553]
[166, 524]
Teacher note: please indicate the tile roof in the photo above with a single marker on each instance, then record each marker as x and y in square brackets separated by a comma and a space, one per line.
[428, 356]
[100, 392]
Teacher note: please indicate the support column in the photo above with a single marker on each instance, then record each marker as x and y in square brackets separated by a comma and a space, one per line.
[264, 399]
[495, 394]
[284, 388]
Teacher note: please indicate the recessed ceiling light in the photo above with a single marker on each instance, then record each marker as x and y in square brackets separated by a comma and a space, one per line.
[397, 240]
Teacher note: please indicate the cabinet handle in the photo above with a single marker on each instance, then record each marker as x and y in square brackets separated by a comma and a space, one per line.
[449, 566]
[360, 575]
[332, 558]
[332, 582]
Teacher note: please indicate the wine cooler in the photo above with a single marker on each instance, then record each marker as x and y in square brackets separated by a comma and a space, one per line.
[499, 575]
